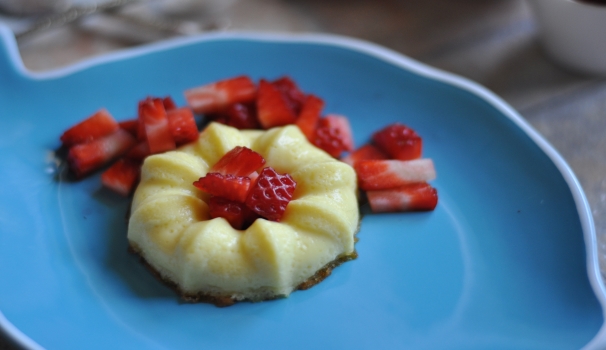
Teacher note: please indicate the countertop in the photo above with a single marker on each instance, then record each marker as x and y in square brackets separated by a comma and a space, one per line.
[494, 43]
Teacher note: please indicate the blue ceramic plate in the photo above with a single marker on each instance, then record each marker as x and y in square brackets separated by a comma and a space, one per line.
[506, 261]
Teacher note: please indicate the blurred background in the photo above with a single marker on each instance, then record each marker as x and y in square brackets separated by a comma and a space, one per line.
[493, 42]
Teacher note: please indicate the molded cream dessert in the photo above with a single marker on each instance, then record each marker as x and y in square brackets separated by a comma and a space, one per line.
[206, 259]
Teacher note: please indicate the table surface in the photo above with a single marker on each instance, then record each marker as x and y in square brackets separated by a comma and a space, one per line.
[493, 42]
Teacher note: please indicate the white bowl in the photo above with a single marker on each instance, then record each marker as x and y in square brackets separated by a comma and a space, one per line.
[573, 33]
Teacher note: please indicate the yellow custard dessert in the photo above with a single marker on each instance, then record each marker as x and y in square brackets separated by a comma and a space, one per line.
[206, 259]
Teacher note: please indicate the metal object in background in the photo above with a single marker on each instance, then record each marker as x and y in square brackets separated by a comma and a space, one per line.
[70, 15]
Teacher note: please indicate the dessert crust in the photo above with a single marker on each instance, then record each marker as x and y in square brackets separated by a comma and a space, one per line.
[223, 301]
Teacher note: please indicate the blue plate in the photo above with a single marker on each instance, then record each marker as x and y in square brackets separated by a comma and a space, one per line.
[507, 260]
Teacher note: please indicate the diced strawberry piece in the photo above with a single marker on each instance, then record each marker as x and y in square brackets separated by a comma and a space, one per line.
[309, 116]
[99, 124]
[122, 176]
[333, 135]
[86, 157]
[157, 129]
[414, 197]
[240, 161]
[234, 188]
[270, 194]
[168, 103]
[138, 151]
[272, 107]
[366, 152]
[291, 92]
[386, 174]
[237, 214]
[242, 116]
[216, 96]
[183, 126]
[399, 142]
[131, 125]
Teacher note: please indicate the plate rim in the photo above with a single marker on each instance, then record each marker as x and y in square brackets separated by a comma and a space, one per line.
[8, 41]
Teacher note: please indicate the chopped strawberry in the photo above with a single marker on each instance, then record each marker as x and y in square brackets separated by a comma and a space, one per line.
[138, 151]
[182, 125]
[386, 174]
[237, 214]
[399, 142]
[309, 116]
[273, 108]
[366, 152]
[242, 116]
[131, 125]
[419, 196]
[234, 188]
[333, 135]
[157, 129]
[291, 92]
[270, 194]
[122, 176]
[240, 161]
[216, 96]
[86, 157]
[168, 103]
[99, 124]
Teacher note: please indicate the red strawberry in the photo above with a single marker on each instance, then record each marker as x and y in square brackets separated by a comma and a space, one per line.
[419, 196]
[182, 123]
[131, 125]
[240, 161]
[242, 116]
[216, 96]
[168, 103]
[157, 129]
[122, 176]
[138, 151]
[99, 124]
[309, 116]
[86, 157]
[366, 152]
[399, 142]
[386, 174]
[234, 188]
[291, 92]
[270, 194]
[272, 107]
[333, 135]
[237, 214]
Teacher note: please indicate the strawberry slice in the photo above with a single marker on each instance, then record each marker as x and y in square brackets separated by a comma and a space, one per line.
[234, 188]
[242, 116]
[291, 92]
[138, 151]
[99, 124]
[386, 174]
[122, 176]
[399, 142]
[131, 125]
[216, 96]
[157, 129]
[240, 161]
[366, 152]
[333, 135]
[237, 214]
[168, 103]
[270, 194]
[86, 157]
[182, 123]
[414, 197]
[309, 116]
[273, 108]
